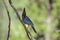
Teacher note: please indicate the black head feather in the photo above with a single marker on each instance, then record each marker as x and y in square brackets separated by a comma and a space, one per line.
[24, 13]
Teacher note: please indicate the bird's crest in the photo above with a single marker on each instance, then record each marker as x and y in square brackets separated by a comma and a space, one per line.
[23, 13]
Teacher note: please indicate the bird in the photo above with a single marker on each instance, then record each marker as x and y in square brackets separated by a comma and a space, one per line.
[26, 20]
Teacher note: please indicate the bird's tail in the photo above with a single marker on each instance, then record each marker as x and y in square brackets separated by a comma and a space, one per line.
[34, 29]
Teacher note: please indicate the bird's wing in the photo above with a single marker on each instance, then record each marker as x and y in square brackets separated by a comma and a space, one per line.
[28, 21]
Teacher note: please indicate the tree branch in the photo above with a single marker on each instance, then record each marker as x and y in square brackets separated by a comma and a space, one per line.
[9, 20]
[49, 7]
[27, 32]
[49, 20]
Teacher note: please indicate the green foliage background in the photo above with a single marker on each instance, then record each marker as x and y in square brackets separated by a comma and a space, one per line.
[35, 9]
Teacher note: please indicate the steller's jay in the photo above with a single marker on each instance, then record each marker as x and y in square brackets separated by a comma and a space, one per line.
[27, 21]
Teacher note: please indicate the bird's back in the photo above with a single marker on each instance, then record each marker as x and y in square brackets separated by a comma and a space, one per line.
[27, 21]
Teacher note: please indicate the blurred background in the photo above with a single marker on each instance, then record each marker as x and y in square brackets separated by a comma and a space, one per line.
[36, 10]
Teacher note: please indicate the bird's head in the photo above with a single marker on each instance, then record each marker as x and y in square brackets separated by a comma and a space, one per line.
[24, 13]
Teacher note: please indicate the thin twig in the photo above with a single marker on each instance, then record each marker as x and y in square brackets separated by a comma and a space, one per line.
[9, 20]
[27, 32]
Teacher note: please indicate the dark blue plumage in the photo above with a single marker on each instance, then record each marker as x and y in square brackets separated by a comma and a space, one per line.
[26, 20]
